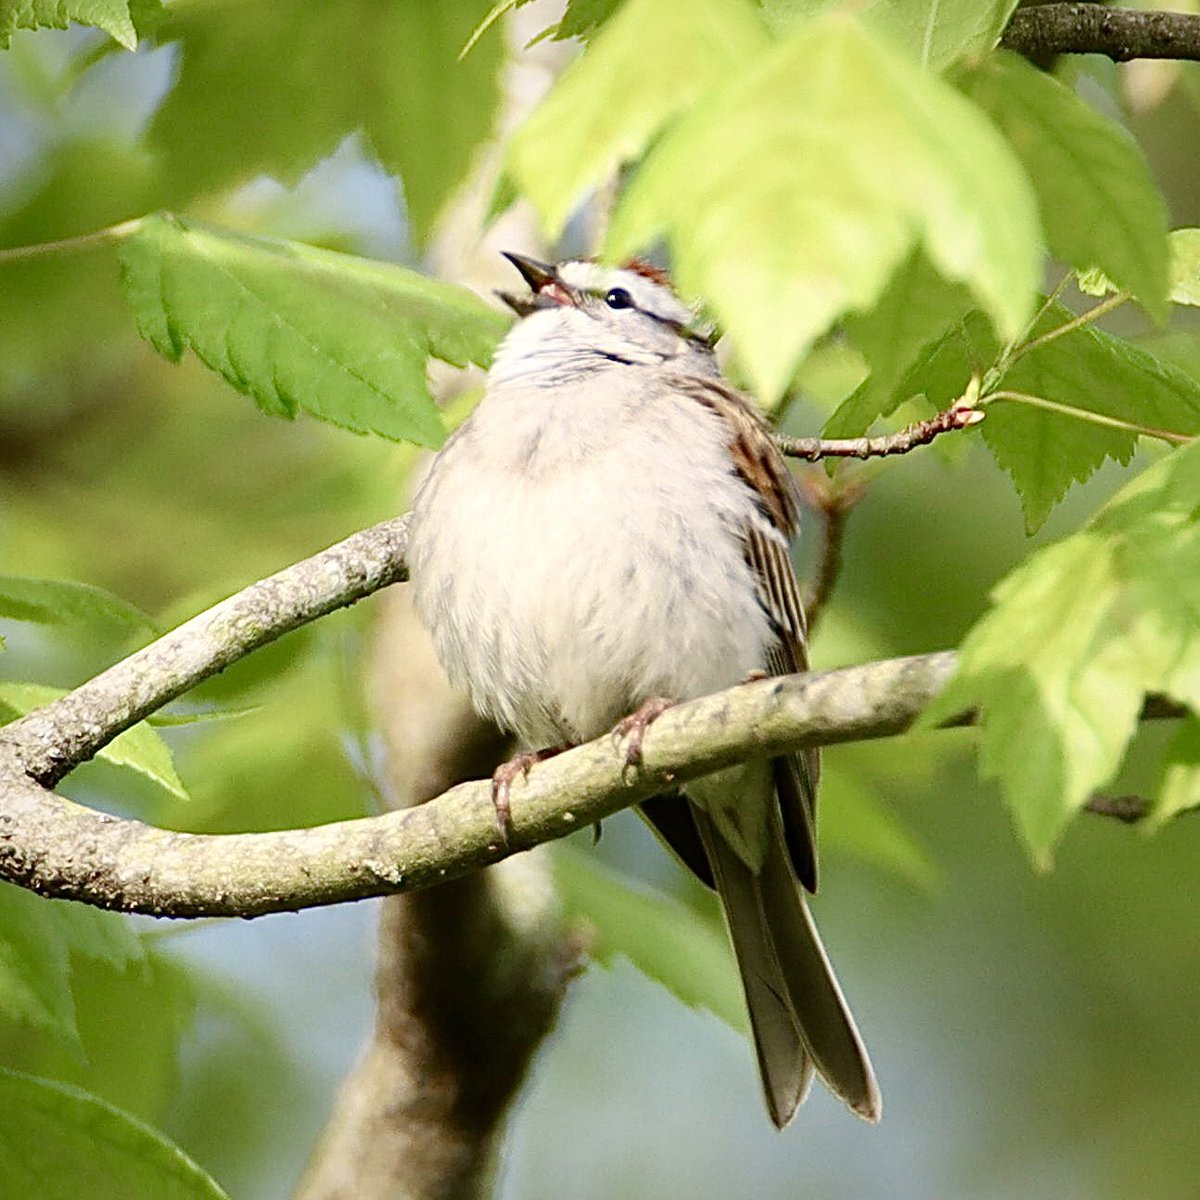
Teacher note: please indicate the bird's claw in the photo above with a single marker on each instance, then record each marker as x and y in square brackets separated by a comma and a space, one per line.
[632, 729]
[502, 780]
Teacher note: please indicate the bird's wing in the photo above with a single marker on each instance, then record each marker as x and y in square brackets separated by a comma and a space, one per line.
[798, 1015]
[765, 538]
[795, 774]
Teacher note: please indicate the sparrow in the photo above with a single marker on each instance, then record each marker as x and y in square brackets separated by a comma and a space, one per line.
[608, 533]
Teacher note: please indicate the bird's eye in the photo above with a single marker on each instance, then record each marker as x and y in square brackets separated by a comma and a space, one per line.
[619, 298]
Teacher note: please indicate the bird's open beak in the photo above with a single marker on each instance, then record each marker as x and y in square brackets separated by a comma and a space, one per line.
[544, 284]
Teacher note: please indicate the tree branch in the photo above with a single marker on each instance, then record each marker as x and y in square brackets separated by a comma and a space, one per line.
[1127, 809]
[61, 849]
[957, 416]
[1044, 30]
[833, 502]
[52, 740]
[469, 975]
[58, 848]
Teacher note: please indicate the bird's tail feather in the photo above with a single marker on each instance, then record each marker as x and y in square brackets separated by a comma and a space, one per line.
[798, 1015]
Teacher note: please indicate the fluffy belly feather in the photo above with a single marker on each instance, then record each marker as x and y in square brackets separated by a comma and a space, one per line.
[659, 605]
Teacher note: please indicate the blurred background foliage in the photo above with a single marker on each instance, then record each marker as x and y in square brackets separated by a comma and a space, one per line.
[1034, 1035]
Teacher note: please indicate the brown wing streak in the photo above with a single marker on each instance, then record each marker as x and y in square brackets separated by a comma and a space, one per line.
[760, 465]
[795, 774]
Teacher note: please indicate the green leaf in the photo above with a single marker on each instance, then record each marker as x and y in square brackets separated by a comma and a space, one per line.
[652, 61]
[138, 749]
[142, 750]
[940, 31]
[110, 15]
[34, 965]
[101, 937]
[1185, 266]
[1179, 348]
[1046, 452]
[945, 365]
[146, 14]
[1183, 271]
[666, 940]
[1154, 523]
[1180, 790]
[914, 310]
[1076, 637]
[37, 939]
[1099, 204]
[166, 718]
[793, 195]
[58, 1143]
[64, 602]
[1094, 282]
[583, 17]
[344, 338]
[131, 1018]
[936, 32]
[313, 74]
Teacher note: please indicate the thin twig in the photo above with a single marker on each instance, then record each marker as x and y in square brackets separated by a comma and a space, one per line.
[1127, 809]
[113, 233]
[832, 501]
[1084, 318]
[1094, 418]
[958, 416]
[1006, 355]
[1041, 31]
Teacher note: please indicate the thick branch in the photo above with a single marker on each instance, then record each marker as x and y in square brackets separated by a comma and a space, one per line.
[469, 975]
[61, 849]
[1121, 34]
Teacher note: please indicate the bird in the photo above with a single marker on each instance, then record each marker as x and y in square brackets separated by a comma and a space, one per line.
[607, 534]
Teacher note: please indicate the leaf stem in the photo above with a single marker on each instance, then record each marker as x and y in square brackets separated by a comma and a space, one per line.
[1016, 343]
[113, 233]
[1084, 318]
[1083, 414]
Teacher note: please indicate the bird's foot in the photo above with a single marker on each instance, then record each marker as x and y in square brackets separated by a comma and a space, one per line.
[632, 729]
[502, 779]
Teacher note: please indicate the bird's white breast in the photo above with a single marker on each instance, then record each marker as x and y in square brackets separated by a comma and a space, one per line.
[576, 551]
